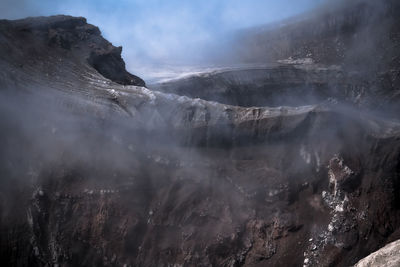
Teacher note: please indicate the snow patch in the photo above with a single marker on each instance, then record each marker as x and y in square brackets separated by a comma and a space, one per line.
[299, 61]
[305, 154]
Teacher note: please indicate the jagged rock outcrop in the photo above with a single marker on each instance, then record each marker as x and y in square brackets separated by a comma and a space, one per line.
[63, 35]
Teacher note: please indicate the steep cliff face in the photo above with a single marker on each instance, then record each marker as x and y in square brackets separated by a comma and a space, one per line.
[42, 40]
[344, 31]
[95, 172]
[274, 85]
[347, 50]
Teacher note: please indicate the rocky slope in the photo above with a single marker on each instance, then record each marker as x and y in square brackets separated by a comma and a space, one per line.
[271, 85]
[343, 31]
[42, 40]
[348, 50]
[97, 170]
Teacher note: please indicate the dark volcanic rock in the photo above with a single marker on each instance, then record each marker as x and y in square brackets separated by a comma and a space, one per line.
[274, 85]
[344, 31]
[347, 50]
[94, 173]
[110, 64]
[74, 35]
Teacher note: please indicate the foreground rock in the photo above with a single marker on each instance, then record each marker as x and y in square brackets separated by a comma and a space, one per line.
[387, 256]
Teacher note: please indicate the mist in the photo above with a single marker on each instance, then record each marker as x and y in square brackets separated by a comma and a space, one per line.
[266, 134]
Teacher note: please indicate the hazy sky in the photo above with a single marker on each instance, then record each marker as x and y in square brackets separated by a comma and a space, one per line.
[161, 31]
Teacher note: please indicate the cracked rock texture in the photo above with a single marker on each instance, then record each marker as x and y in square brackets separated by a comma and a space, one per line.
[387, 256]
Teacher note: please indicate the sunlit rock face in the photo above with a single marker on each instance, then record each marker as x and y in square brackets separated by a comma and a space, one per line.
[97, 170]
[386, 257]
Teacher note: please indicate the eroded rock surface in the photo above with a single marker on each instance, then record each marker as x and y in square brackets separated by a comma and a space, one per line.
[387, 256]
[65, 36]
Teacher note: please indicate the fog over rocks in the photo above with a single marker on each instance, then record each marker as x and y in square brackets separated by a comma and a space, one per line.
[285, 163]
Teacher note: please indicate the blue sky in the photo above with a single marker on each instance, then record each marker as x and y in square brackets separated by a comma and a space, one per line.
[162, 31]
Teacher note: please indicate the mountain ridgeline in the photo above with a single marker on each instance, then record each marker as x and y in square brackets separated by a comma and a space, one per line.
[347, 50]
